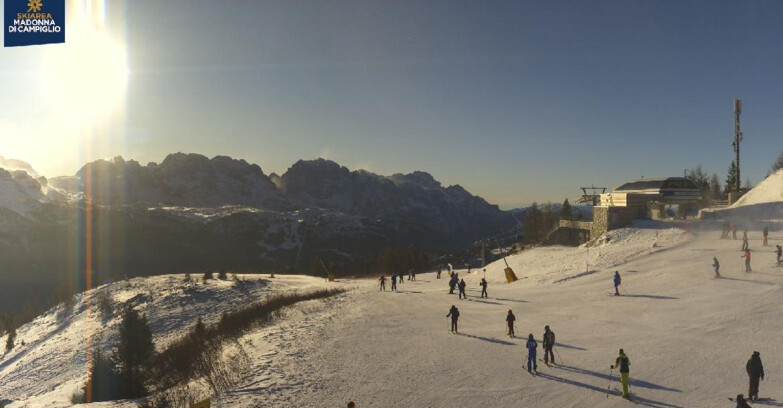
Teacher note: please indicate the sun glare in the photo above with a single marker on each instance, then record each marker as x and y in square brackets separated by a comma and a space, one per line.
[85, 79]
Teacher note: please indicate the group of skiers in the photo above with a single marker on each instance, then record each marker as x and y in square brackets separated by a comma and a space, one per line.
[746, 248]
[726, 229]
[394, 279]
[456, 283]
[753, 367]
[531, 345]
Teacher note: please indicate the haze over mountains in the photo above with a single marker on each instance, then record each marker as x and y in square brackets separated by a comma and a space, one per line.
[190, 212]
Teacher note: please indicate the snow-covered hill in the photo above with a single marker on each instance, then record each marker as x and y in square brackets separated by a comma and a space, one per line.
[762, 202]
[687, 335]
[50, 365]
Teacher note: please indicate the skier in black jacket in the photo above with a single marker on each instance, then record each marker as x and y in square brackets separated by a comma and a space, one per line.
[510, 322]
[483, 285]
[755, 372]
[549, 344]
[462, 285]
[454, 313]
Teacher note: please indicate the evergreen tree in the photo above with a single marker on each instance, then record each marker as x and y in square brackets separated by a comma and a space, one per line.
[565, 211]
[698, 176]
[103, 383]
[778, 163]
[222, 274]
[532, 223]
[548, 220]
[132, 353]
[731, 178]
[716, 191]
[207, 275]
[9, 343]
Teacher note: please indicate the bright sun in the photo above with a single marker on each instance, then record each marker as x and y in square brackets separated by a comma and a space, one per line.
[85, 79]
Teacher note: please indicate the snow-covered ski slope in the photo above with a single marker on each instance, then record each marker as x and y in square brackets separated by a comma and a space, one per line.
[687, 335]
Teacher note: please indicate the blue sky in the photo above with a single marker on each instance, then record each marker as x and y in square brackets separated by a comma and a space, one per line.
[516, 101]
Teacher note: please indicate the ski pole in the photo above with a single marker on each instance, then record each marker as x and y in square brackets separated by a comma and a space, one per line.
[609, 387]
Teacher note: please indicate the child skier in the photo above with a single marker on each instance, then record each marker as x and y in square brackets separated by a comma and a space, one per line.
[616, 282]
[744, 240]
[531, 353]
[394, 282]
[382, 280]
[779, 253]
[765, 233]
[483, 285]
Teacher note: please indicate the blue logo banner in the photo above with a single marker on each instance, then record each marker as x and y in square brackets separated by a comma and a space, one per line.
[32, 22]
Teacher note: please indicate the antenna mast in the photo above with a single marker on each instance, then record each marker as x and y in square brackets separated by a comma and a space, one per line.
[737, 139]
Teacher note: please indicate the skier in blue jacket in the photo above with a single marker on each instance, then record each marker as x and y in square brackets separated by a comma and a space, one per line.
[616, 282]
[531, 345]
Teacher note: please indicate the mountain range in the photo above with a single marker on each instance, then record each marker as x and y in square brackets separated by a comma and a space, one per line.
[190, 212]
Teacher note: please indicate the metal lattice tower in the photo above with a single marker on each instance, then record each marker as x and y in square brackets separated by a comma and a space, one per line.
[737, 139]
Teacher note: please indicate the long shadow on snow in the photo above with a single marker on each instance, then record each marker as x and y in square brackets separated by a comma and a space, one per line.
[633, 382]
[512, 300]
[496, 341]
[746, 280]
[559, 344]
[639, 400]
[486, 301]
[659, 297]
[769, 402]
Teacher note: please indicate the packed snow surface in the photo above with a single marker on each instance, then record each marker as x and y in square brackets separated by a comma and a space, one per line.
[687, 335]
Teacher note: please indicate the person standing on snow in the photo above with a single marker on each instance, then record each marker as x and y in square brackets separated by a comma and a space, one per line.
[624, 363]
[734, 231]
[531, 345]
[382, 280]
[779, 252]
[616, 282]
[400, 277]
[510, 323]
[765, 234]
[438, 275]
[394, 282]
[716, 265]
[744, 240]
[462, 293]
[452, 284]
[454, 313]
[483, 285]
[746, 255]
[755, 372]
[549, 344]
